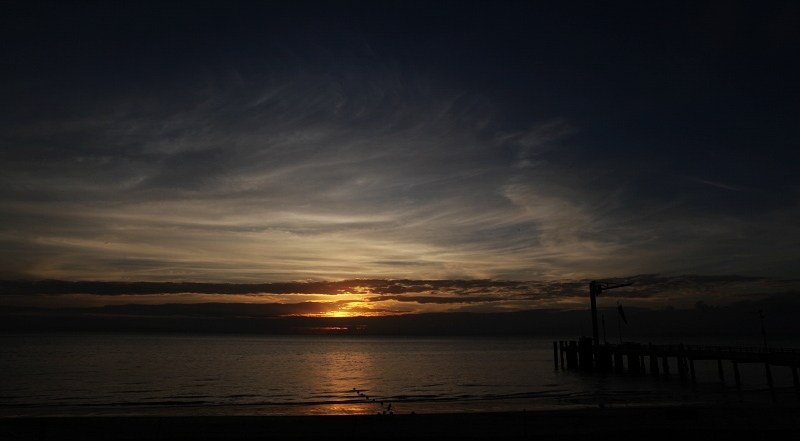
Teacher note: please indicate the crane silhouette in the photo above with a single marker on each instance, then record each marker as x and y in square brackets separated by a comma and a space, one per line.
[595, 289]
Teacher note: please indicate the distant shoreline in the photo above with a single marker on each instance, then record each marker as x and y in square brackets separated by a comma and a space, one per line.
[658, 422]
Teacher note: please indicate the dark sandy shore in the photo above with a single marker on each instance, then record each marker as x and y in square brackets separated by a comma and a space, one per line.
[649, 423]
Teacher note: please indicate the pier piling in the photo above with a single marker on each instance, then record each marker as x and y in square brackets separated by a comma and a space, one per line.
[602, 359]
[572, 354]
[555, 353]
[769, 381]
[587, 356]
[736, 376]
[634, 368]
[653, 364]
[769, 374]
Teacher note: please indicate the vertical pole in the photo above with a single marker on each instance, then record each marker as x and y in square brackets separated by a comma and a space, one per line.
[768, 370]
[769, 380]
[618, 362]
[736, 376]
[605, 354]
[634, 368]
[665, 365]
[594, 290]
[653, 363]
[719, 369]
[563, 348]
[572, 354]
[605, 342]
[769, 374]
[585, 354]
[555, 353]
[691, 368]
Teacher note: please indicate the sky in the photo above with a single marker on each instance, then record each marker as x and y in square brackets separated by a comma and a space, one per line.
[518, 148]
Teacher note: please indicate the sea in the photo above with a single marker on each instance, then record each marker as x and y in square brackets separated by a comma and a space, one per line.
[88, 374]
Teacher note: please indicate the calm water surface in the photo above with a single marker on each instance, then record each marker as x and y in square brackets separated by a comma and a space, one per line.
[89, 374]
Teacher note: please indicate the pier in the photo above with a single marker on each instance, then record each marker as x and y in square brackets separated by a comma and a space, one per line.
[588, 354]
[636, 358]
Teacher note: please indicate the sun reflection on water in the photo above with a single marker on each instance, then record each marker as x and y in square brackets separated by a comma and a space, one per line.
[339, 375]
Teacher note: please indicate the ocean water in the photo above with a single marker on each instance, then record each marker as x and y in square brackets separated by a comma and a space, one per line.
[146, 374]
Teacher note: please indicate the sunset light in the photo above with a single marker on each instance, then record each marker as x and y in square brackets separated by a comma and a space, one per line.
[230, 220]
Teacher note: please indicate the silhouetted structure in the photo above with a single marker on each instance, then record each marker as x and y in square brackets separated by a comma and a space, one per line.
[591, 357]
[595, 289]
[587, 354]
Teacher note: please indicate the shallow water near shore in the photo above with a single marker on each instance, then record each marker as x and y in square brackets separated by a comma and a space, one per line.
[148, 374]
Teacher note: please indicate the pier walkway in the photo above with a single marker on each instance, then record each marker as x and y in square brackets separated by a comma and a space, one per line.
[584, 355]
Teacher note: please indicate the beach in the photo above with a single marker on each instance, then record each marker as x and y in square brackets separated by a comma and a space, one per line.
[660, 422]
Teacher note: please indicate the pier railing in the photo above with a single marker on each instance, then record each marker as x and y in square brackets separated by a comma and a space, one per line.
[739, 349]
[702, 349]
[586, 356]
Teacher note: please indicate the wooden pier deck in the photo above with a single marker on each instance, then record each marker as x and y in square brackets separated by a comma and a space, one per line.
[584, 355]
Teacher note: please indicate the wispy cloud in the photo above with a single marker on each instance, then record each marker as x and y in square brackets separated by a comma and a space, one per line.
[336, 153]
[716, 184]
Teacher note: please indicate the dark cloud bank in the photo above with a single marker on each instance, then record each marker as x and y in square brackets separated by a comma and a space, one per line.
[645, 285]
[737, 320]
[704, 319]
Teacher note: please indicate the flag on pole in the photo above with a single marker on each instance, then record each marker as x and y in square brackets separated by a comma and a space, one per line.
[622, 313]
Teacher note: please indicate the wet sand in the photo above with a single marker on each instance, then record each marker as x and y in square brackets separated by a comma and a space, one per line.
[641, 423]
